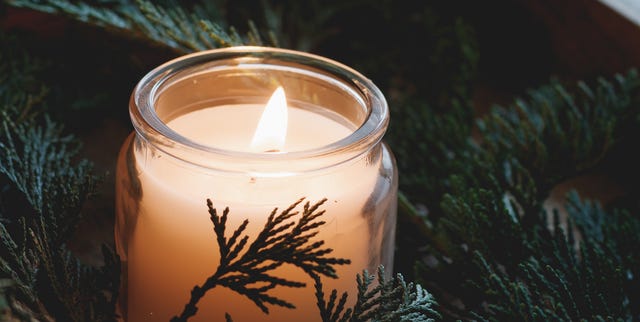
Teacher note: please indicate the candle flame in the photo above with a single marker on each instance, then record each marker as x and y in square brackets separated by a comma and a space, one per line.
[272, 129]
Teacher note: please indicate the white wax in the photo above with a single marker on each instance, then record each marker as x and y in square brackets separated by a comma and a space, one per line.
[173, 246]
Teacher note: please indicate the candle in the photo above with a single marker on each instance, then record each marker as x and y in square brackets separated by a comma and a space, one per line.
[207, 135]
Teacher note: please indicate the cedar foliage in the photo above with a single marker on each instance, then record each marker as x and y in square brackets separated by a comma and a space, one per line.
[247, 268]
[474, 229]
[43, 191]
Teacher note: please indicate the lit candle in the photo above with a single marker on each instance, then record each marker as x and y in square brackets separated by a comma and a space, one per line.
[251, 157]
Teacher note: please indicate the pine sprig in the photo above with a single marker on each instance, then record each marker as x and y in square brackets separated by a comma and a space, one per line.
[615, 231]
[188, 30]
[80, 292]
[37, 161]
[19, 265]
[21, 91]
[575, 281]
[43, 189]
[247, 268]
[561, 131]
[494, 206]
[36, 259]
[183, 29]
[388, 300]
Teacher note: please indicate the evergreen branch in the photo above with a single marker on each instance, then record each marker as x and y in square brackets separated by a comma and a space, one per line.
[389, 300]
[171, 25]
[82, 293]
[20, 265]
[558, 288]
[495, 197]
[280, 242]
[431, 145]
[302, 26]
[185, 30]
[37, 160]
[565, 281]
[555, 134]
[20, 71]
[615, 232]
[330, 311]
[55, 190]
[43, 191]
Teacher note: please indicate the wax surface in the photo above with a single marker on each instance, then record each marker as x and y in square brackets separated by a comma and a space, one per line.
[231, 127]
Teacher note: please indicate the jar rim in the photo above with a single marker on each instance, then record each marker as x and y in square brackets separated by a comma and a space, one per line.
[152, 129]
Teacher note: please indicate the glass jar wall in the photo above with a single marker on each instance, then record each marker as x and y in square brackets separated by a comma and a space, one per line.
[194, 118]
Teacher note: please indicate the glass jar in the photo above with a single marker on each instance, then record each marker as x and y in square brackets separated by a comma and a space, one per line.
[177, 159]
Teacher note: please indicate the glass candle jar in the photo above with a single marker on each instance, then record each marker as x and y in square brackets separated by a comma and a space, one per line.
[194, 119]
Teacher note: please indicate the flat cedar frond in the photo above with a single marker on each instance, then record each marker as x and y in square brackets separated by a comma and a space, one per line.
[37, 160]
[534, 147]
[85, 293]
[494, 206]
[184, 30]
[389, 300]
[37, 163]
[243, 266]
[484, 219]
[430, 145]
[42, 193]
[19, 265]
[18, 71]
[615, 233]
[569, 284]
[556, 133]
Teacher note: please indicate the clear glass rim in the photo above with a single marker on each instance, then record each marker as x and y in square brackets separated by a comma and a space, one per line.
[149, 126]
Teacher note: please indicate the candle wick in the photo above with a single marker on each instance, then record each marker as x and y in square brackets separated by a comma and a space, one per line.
[272, 151]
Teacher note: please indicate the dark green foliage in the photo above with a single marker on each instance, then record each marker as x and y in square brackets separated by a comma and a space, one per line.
[524, 269]
[184, 30]
[427, 144]
[247, 268]
[42, 191]
[428, 89]
[21, 90]
[386, 300]
[569, 282]
[556, 134]
[615, 231]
